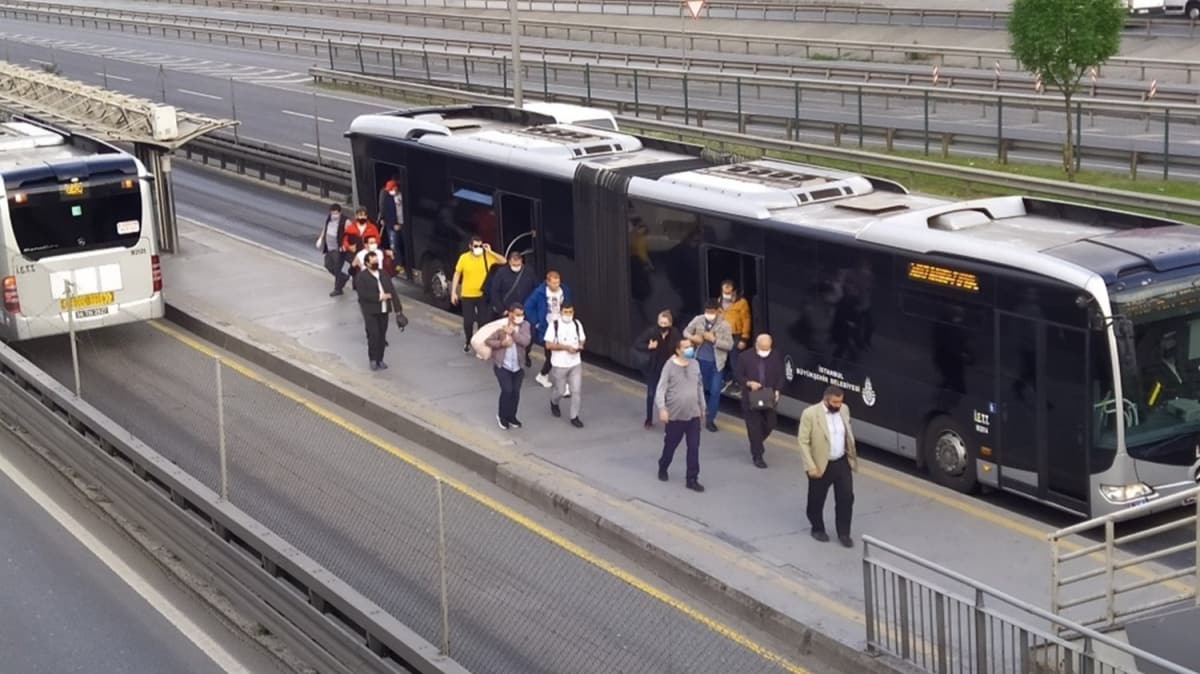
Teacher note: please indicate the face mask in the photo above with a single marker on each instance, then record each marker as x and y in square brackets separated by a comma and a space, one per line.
[761, 353]
[664, 325]
[710, 317]
[515, 267]
[567, 318]
[517, 320]
[727, 296]
[372, 246]
[477, 250]
[689, 352]
[363, 219]
[833, 408]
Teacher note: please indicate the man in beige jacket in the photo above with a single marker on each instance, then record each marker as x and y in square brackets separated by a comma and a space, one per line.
[829, 454]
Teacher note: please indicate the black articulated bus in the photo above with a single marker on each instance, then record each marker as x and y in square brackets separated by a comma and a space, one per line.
[1045, 348]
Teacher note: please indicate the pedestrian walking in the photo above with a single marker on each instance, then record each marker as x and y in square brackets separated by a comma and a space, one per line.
[472, 271]
[511, 284]
[541, 308]
[736, 311]
[391, 223]
[760, 375]
[565, 340]
[329, 242]
[507, 344]
[680, 402]
[376, 298]
[713, 338]
[658, 342]
[830, 457]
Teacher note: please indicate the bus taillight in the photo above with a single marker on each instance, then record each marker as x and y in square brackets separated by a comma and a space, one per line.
[12, 302]
[156, 272]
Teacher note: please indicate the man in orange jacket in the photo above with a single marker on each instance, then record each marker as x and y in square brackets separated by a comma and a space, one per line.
[736, 311]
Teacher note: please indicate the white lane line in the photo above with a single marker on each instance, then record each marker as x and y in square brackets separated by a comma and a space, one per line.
[325, 149]
[115, 77]
[41, 62]
[306, 116]
[189, 92]
[223, 658]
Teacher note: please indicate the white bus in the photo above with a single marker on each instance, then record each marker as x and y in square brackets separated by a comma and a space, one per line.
[77, 234]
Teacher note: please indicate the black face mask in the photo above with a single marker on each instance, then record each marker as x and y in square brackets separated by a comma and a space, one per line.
[831, 408]
[362, 219]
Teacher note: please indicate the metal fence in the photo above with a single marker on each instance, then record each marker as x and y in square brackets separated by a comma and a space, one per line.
[498, 592]
[1148, 565]
[969, 627]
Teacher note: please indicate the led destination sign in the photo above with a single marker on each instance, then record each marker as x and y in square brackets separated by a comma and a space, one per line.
[943, 276]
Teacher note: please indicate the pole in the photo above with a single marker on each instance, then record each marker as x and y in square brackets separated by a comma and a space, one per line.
[442, 570]
[329, 47]
[233, 109]
[221, 431]
[686, 114]
[860, 118]
[796, 110]
[1000, 129]
[926, 98]
[1078, 135]
[70, 296]
[683, 35]
[104, 69]
[514, 28]
[1166, 142]
[317, 127]
[637, 104]
[162, 82]
[587, 80]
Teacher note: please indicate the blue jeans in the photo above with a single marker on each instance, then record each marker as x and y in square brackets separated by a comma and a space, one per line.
[711, 377]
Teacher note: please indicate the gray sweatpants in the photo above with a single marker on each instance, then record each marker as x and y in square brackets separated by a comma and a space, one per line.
[561, 377]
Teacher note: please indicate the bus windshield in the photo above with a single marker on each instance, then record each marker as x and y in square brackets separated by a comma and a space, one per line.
[1160, 370]
[52, 218]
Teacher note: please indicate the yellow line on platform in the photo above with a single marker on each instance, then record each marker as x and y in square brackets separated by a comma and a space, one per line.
[485, 500]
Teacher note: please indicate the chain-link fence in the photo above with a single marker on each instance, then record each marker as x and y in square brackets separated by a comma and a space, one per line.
[497, 591]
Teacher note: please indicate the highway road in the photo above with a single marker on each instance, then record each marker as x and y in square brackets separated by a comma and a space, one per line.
[265, 90]
[80, 597]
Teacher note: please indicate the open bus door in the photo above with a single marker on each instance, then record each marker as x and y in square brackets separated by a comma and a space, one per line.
[520, 220]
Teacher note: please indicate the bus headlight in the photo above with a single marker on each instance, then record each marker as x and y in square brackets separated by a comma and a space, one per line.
[1124, 493]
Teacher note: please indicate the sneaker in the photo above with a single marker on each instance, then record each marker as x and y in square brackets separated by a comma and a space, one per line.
[662, 474]
[501, 423]
[711, 426]
[846, 541]
[647, 424]
[382, 365]
[467, 347]
[695, 486]
[555, 410]
[760, 463]
[544, 380]
[335, 293]
[577, 423]
[820, 536]
[515, 422]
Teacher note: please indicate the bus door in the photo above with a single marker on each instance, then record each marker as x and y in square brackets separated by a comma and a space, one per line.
[745, 270]
[519, 224]
[385, 174]
[1041, 380]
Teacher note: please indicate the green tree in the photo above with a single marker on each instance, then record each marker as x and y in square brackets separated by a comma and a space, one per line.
[1060, 40]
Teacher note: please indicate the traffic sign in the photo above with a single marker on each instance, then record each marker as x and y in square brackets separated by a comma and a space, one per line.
[694, 6]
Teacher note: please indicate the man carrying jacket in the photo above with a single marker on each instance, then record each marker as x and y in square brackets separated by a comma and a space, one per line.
[510, 285]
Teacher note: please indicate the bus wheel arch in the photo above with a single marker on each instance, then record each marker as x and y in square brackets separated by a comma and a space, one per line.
[949, 454]
[434, 280]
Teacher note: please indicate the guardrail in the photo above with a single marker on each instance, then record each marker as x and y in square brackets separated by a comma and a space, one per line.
[285, 588]
[268, 163]
[756, 54]
[1123, 596]
[741, 48]
[976, 628]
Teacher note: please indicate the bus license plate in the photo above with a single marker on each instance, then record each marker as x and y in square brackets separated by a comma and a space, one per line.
[87, 301]
[92, 313]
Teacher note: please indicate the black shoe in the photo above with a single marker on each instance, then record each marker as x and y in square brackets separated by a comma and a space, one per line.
[695, 486]
[760, 463]
[712, 426]
[555, 410]
[821, 536]
[577, 423]
[467, 347]
[382, 365]
[335, 293]
[662, 474]
[502, 424]
[386, 343]
[515, 422]
[846, 541]
[647, 424]
[528, 361]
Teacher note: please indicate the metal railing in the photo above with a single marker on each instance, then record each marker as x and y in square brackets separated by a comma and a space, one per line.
[1102, 584]
[974, 628]
[737, 52]
[268, 163]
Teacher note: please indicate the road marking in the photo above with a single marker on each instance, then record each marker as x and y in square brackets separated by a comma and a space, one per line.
[115, 77]
[41, 62]
[490, 503]
[325, 149]
[306, 116]
[223, 659]
[200, 94]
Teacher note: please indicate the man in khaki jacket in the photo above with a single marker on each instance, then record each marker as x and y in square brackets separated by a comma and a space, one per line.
[829, 454]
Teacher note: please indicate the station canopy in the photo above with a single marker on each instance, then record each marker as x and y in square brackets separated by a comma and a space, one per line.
[99, 112]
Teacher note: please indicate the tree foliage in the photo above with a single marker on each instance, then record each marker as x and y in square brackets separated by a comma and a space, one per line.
[1061, 40]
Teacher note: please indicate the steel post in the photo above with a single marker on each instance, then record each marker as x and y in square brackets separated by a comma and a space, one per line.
[515, 29]
[686, 113]
[158, 162]
[1167, 148]
[441, 509]
[317, 127]
[233, 108]
[860, 117]
[221, 431]
[1078, 135]
[925, 99]
[70, 297]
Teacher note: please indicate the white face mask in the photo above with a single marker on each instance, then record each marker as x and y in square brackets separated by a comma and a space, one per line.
[761, 353]
[477, 250]
[515, 267]
[517, 320]
[710, 317]
[372, 246]
[727, 296]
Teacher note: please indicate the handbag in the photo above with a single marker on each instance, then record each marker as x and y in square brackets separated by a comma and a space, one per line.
[401, 319]
[762, 399]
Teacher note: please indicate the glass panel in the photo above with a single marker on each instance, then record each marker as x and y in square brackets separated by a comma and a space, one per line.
[54, 219]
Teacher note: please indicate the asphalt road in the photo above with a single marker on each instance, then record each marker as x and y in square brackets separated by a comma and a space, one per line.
[67, 587]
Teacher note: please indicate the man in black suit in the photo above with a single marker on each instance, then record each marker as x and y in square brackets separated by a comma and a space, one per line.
[761, 376]
[377, 298]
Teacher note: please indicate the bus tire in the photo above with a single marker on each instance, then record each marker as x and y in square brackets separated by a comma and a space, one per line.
[950, 455]
[436, 283]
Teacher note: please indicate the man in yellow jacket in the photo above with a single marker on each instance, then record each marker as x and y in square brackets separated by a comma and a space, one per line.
[736, 311]
[830, 457]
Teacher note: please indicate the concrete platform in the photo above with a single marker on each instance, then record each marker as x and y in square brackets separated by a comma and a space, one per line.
[743, 544]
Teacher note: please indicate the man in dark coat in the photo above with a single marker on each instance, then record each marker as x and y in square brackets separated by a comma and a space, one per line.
[377, 298]
[508, 285]
[762, 369]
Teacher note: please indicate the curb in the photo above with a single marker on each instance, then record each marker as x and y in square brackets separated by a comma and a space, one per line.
[580, 510]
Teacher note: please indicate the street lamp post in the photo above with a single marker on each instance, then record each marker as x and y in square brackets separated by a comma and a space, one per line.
[515, 30]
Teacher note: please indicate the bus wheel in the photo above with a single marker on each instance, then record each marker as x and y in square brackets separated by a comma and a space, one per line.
[949, 455]
[437, 284]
